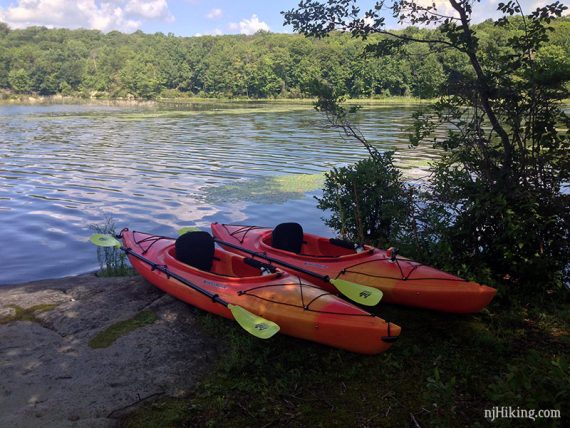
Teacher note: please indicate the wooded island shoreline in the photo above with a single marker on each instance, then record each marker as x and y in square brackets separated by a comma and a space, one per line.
[11, 99]
[89, 64]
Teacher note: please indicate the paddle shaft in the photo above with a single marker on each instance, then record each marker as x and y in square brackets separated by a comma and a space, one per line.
[324, 278]
[183, 280]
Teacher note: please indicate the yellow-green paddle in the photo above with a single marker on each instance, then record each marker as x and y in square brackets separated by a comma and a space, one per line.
[361, 294]
[253, 324]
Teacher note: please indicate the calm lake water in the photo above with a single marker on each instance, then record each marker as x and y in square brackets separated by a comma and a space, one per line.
[66, 167]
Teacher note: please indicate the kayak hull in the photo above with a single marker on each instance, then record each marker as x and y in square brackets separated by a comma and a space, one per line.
[300, 308]
[402, 281]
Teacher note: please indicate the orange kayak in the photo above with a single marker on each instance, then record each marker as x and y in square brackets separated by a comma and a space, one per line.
[300, 308]
[402, 280]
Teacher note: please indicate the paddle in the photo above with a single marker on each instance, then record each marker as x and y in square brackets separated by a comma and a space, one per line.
[358, 293]
[253, 324]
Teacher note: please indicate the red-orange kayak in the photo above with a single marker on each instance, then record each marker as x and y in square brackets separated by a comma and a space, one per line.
[402, 280]
[300, 308]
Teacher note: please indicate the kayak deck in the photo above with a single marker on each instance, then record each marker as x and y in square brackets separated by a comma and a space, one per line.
[402, 281]
[300, 308]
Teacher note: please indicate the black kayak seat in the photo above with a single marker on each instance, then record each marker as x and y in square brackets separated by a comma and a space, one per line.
[288, 237]
[196, 249]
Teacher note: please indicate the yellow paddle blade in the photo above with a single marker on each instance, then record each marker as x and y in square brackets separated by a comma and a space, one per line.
[253, 324]
[104, 240]
[358, 293]
[187, 229]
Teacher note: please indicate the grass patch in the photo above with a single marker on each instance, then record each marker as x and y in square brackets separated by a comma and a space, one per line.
[267, 190]
[108, 336]
[26, 314]
[113, 272]
[167, 412]
[445, 370]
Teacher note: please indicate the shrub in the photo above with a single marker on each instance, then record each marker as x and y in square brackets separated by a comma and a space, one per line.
[368, 201]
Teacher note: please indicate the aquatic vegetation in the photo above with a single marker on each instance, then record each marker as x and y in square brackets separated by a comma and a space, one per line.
[268, 190]
[112, 261]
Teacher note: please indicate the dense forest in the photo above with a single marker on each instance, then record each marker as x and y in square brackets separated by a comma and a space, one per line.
[89, 63]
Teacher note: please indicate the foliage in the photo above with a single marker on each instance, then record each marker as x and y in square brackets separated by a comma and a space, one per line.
[368, 201]
[93, 64]
[165, 412]
[494, 207]
[532, 383]
[112, 261]
[444, 370]
[441, 395]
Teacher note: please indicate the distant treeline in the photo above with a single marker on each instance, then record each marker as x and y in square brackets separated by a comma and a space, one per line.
[90, 63]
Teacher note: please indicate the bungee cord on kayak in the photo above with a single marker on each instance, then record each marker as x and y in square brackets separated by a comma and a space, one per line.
[153, 239]
[326, 262]
[262, 304]
[359, 293]
[244, 230]
[403, 277]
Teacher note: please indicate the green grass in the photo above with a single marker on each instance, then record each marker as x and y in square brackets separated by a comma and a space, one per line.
[114, 272]
[166, 412]
[26, 314]
[445, 370]
[108, 336]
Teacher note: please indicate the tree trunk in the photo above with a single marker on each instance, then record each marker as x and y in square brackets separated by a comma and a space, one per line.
[482, 83]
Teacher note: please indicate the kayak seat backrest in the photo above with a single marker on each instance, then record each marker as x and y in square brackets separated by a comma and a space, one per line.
[196, 249]
[288, 237]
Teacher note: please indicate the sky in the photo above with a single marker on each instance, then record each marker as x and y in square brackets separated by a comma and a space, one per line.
[182, 17]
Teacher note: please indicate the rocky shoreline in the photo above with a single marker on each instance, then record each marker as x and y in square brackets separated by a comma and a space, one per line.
[52, 376]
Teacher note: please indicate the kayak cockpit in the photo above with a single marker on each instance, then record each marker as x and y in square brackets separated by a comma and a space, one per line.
[290, 238]
[196, 252]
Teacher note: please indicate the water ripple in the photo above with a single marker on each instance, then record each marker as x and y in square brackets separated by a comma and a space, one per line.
[63, 168]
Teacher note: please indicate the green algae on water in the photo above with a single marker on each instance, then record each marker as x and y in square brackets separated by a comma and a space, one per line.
[267, 190]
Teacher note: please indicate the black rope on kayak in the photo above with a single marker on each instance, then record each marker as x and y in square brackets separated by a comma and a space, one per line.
[404, 277]
[412, 270]
[314, 299]
[401, 278]
[307, 308]
[153, 239]
[242, 229]
[259, 287]
[302, 297]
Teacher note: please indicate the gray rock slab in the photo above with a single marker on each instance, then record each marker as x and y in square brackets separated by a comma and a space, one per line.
[50, 377]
